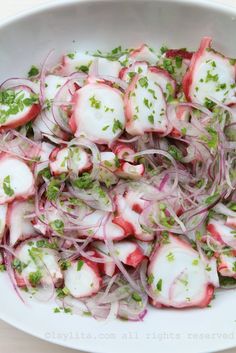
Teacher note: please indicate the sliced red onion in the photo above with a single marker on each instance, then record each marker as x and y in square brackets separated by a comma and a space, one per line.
[14, 82]
[165, 154]
[96, 158]
[131, 140]
[42, 77]
[122, 84]
[222, 209]
[8, 258]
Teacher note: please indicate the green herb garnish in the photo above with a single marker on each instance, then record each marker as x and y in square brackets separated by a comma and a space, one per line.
[7, 186]
[84, 181]
[35, 278]
[143, 82]
[18, 265]
[34, 71]
[95, 103]
[116, 126]
[58, 226]
[53, 190]
[80, 264]
[175, 153]
[136, 297]
[150, 279]
[159, 285]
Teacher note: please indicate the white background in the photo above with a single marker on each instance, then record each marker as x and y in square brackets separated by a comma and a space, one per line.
[11, 339]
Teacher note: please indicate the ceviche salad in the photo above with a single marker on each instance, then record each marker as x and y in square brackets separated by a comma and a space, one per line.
[117, 180]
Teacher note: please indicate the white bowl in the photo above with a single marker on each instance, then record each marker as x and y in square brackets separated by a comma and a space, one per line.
[25, 40]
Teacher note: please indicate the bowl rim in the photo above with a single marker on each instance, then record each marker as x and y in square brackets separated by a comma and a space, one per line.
[53, 4]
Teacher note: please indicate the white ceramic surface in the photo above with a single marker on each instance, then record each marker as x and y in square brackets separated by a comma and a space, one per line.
[26, 39]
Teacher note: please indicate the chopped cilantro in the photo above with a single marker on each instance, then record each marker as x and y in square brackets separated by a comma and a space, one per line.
[43, 243]
[159, 285]
[209, 104]
[101, 194]
[162, 206]
[232, 206]
[83, 68]
[170, 88]
[35, 254]
[164, 49]
[170, 257]
[87, 313]
[7, 186]
[200, 183]
[165, 237]
[29, 129]
[114, 54]
[2, 268]
[210, 77]
[195, 262]
[184, 281]
[53, 190]
[64, 264]
[178, 61]
[45, 173]
[33, 99]
[152, 93]
[175, 152]
[140, 70]
[48, 103]
[35, 278]
[221, 86]
[67, 310]
[108, 164]
[84, 181]
[168, 66]
[40, 243]
[62, 292]
[143, 82]
[75, 202]
[95, 103]
[34, 71]
[117, 162]
[227, 281]
[131, 74]
[80, 264]
[14, 101]
[71, 55]
[58, 226]
[150, 279]
[107, 109]
[105, 127]
[232, 61]
[165, 220]
[212, 140]
[151, 119]
[56, 310]
[136, 297]
[211, 199]
[18, 265]
[116, 126]
[147, 103]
